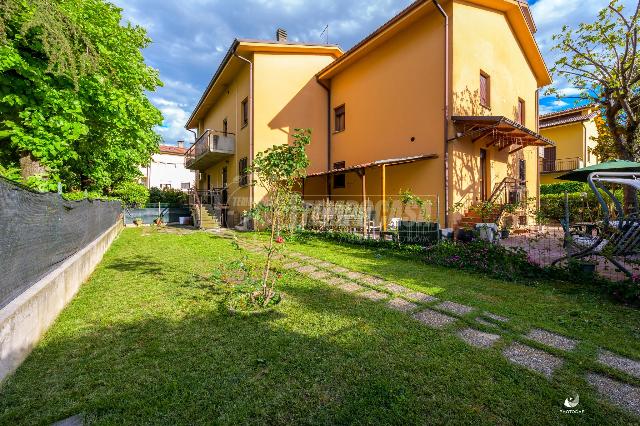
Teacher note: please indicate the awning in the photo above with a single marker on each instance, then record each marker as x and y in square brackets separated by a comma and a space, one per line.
[498, 131]
[387, 162]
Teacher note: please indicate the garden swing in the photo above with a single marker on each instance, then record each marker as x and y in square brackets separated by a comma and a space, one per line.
[615, 238]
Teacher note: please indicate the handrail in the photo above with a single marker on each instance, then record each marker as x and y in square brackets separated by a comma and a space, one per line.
[501, 186]
[198, 204]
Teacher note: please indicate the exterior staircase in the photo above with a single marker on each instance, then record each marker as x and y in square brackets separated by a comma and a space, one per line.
[208, 220]
[472, 217]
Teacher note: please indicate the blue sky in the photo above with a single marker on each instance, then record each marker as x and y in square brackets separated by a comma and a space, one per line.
[190, 37]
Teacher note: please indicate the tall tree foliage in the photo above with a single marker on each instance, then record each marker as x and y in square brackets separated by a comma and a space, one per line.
[601, 59]
[73, 86]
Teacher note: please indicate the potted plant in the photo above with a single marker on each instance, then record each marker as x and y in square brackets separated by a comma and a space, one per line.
[138, 221]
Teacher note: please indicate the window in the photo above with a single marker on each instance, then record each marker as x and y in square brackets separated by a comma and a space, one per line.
[225, 127]
[485, 90]
[185, 185]
[340, 119]
[520, 113]
[243, 164]
[522, 170]
[339, 180]
[245, 112]
[165, 186]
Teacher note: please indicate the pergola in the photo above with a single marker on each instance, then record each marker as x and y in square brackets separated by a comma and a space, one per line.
[498, 131]
[361, 171]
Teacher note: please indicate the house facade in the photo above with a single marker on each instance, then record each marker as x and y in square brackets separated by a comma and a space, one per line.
[167, 169]
[574, 131]
[440, 101]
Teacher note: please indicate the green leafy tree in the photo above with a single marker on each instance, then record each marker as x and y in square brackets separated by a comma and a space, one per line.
[132, 194]
[278, 170]
[73, 86]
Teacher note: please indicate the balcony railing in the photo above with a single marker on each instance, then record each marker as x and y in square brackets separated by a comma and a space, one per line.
[210, 148]
[561, 165]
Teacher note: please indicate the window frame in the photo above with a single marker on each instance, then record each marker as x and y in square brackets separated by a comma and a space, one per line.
[244, 112]
[343, 176]
[225, 127]
[485, 103]
[522, 108]
[340, 108]
[243, 175]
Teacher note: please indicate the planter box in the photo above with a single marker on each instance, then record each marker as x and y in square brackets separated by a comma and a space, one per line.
[420, 233]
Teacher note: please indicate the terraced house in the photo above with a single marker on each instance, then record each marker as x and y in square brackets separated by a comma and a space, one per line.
[573, 131]
[441, 100]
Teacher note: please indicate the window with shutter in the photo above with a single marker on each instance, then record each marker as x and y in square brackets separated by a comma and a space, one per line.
[339, 180]
[243, 164]
[245, 112]
[520, 114]
[340, 116]
[522, 168]
[485, 90]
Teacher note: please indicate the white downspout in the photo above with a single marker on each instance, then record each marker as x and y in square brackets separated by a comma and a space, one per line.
[250, 125]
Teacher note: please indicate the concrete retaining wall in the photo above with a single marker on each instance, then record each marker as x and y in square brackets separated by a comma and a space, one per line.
[25, 319]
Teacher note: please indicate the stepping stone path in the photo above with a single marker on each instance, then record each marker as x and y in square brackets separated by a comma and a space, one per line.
[551, 339]
[626, 365]
[455, 308]
[477, 338]
[401, 305]
[618, 393]
[374, 295]
[421, 297]
[76, 420]
[621, 394]
[532, 358]
[495, 317]
[434, 319]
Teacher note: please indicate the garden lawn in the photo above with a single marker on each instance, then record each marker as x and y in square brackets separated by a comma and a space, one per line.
[148, 340]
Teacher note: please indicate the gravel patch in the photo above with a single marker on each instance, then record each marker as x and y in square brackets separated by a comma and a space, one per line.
[353, 275]
[374, 295]
[532, 358]
[307, 269]
[307, 258]
[325, 265]
[455, 308]
[551, 339]
[318, 275]
[339, 269]
[421, 297]
[291, 265]
[477, 338]
[401, 305]
[76, 420]
[434, 319]
[350, 287]
[621, 394]
[495, 317]
[626, 365]
[396, 288]
[485, 322]
[337, 281]
[369, 279]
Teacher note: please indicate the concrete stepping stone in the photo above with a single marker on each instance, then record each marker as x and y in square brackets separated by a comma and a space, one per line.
[337, 281]
[455, 308]
[551, 339]
[485, 322]
[477, 338]
[370, 279]
[434, 319]
[621, 394]
[396, 288]
[76, 420]
[626, 365]
[374, 295]
[318, 275]
[295, 254]
[401, 305]
[325, 265]
[421, 297]
[353, 275]
[339, 269]
[306, 269]
[532, 358]
[291, 265]
[495, 317]
[307, 258]
[350, 287]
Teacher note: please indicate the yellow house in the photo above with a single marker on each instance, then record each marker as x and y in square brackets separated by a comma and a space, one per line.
[442, 101]
[573, 131]
[261, 91]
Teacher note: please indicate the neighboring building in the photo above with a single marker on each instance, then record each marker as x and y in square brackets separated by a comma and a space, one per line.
[390, 114]
[167, 169]
[573, 131]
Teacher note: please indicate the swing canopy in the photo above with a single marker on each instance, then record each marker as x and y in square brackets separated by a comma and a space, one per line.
[582, 175]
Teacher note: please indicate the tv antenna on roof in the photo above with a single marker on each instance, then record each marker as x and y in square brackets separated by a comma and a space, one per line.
[326, 33]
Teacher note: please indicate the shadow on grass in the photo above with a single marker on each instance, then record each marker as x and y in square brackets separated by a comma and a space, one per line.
[141, 265]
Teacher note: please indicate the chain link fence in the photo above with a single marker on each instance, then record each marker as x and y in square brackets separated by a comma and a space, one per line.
[38, 231]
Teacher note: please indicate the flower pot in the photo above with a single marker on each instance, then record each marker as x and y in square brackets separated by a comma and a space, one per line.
[487, 231]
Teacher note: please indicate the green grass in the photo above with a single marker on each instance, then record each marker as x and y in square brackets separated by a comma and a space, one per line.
[148, 340]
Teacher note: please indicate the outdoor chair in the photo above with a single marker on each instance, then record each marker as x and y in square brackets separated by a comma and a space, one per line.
[616, 238]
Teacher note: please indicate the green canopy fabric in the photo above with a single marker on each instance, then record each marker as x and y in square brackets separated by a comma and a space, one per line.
[581, 175]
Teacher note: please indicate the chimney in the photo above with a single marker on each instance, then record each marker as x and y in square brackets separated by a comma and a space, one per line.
[281, 35]
[180, 144]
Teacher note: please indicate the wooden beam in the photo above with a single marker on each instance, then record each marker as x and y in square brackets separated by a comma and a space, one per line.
[384, 197]
[482, 136]
[517, 149]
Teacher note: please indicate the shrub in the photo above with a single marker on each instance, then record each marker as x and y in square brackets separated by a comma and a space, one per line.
[131, 193]
[583, 207]
[562, 187]
[81, 195]
[168, 196]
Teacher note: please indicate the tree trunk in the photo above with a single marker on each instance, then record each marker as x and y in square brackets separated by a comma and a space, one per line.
[29, 166]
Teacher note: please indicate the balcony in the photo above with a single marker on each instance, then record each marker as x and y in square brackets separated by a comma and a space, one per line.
[210, 148]
[561, 165]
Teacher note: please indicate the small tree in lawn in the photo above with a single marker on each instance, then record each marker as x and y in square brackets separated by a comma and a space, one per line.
[278, 169]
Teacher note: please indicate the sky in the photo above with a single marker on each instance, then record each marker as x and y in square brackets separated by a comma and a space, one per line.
[190, 38]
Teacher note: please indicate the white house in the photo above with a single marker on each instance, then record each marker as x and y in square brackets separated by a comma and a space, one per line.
[167, 169]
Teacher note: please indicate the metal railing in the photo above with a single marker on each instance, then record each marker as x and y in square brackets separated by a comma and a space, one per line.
[210, 142]
[561, 165]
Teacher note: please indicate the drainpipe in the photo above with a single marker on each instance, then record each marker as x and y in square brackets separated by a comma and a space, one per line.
[250, 124]
[446, 111]
[329, 167]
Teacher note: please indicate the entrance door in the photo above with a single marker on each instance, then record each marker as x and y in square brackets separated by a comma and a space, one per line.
[483, 174]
